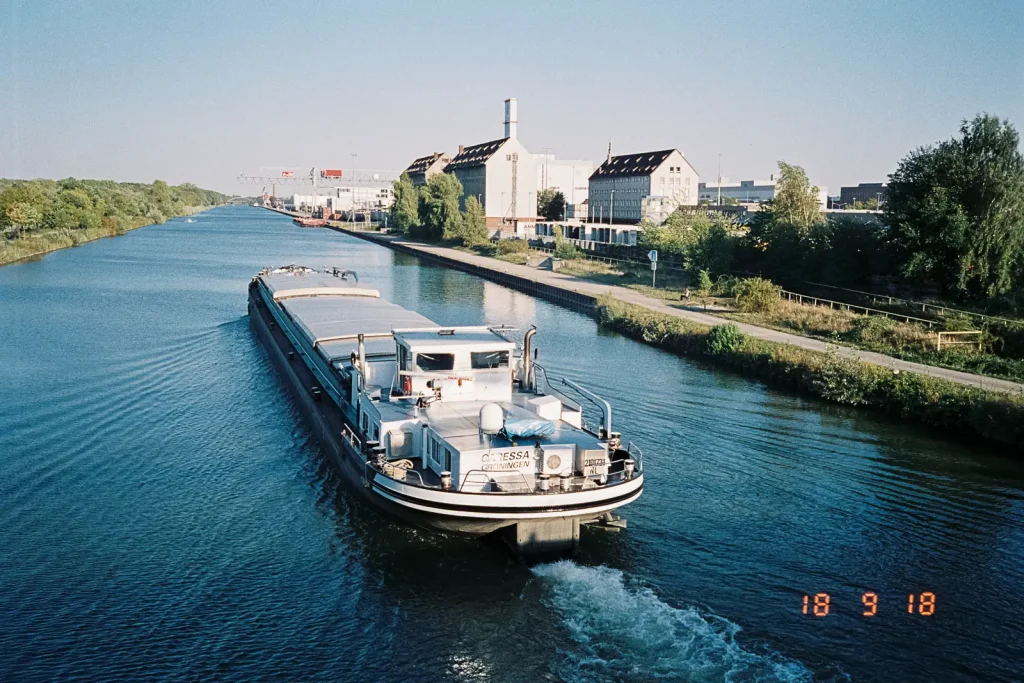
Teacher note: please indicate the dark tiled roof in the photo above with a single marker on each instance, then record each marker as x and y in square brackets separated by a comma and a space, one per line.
[631, 164]
[475, 155]
[423, 163]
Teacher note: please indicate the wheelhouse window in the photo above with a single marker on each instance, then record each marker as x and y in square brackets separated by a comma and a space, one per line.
[432, 362]
[480, 360]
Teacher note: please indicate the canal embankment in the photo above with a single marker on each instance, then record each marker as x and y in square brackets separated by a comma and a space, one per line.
[960, 402]
[35, 245]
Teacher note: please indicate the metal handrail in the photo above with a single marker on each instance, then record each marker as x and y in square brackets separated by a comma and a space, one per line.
[488, 474]
[814, 301]
[638, 458]
[423, 484]
[940, 310]
[542, 374]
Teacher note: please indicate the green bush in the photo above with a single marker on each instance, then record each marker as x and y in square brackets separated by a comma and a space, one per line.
[872, 329]
[564, 249]
[725, 339]
[840, 380]
[756, 295]
[958, 322]
[723, 286]
[704, 283]
[513, 246]
[486, 249]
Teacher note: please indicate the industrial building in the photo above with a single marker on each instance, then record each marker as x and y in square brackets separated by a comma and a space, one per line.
[748, 191]
[421, 169]
[863, 192]
[620, 188]
[571, 177]
[342, 199]
[502, 175]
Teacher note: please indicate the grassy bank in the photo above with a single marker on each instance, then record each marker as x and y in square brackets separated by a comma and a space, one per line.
[964, 410]
[37, 244]
[906, 341]
[39, 216]
[911, 342]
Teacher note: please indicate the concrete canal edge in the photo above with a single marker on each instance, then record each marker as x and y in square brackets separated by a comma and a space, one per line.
[576, 301]
[955, 406]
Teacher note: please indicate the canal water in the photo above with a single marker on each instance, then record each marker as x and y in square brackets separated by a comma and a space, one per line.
[164, 514]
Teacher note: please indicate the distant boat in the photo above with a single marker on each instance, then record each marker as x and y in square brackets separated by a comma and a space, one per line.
[309, 222]
[189, 220]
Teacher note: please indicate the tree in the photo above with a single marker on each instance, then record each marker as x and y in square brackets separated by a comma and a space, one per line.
[551, 204]
[23, 216]
[474, 223]
[955, 210]
[405, 216]
[701, 241]
[439, 207]
[796, 202]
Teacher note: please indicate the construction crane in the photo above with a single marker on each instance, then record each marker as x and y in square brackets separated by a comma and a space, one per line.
[317, 179]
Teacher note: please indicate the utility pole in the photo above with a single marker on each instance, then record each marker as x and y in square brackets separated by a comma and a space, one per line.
[515, 187]
[312, 180]
[352, 209]
[719, 178]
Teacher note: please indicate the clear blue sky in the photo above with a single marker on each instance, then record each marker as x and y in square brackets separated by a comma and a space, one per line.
[201, 91]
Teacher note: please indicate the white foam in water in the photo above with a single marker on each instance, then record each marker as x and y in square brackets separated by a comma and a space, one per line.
[624, 633]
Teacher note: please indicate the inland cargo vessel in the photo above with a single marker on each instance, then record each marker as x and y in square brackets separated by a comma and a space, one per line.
[453, 429]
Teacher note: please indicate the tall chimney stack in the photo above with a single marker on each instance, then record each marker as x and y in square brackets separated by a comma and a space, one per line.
[511, 115]
[609, 150]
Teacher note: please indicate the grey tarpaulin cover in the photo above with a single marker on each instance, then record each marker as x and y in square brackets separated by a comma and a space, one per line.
[526, 428]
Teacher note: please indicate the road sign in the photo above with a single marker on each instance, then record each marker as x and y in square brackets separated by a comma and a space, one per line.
[654, 265]
[653, 255]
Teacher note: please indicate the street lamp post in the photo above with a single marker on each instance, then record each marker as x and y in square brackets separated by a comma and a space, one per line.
[719, 179]
[352, 208]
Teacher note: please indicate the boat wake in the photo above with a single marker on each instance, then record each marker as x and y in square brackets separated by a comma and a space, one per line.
[626, 633]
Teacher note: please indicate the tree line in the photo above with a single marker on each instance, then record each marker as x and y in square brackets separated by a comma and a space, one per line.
[953, 220]
[431, 211]
[72, 205]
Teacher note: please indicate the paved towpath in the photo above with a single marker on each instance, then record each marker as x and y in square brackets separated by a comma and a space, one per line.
[632, 296]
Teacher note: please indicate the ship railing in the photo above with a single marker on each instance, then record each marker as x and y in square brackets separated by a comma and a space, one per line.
[418, 476]
[404, 479]
[636, 454]
[545, 386]
[488, 477]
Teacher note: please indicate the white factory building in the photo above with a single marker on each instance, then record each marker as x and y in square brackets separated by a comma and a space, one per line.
[502, 175]
[348, 198]
[749, 191]
[623, 187]
[571, 177]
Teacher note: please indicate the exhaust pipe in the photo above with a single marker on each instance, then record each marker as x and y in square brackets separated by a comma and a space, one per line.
[362, 363]
[527, 357]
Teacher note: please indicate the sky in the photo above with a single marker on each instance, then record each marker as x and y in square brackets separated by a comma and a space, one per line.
[203, 91]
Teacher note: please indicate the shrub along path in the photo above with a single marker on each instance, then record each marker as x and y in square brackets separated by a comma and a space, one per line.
[632, 296]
